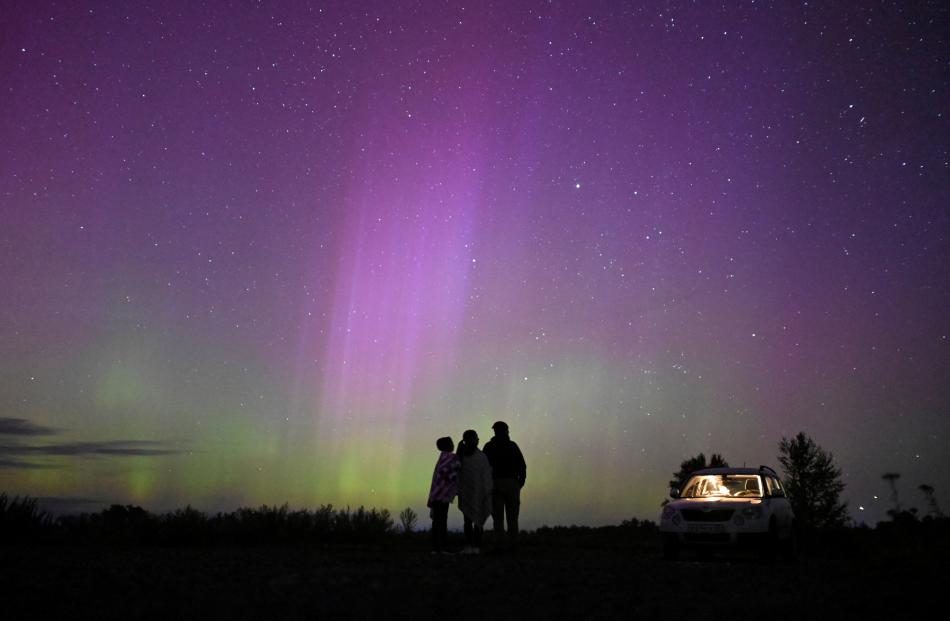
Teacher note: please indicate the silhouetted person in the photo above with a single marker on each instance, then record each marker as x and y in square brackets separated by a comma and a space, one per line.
[509, 473]
[475, 485]
[442, 491]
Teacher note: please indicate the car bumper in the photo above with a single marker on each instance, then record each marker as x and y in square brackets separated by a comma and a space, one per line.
[746, 532]
[732, 539]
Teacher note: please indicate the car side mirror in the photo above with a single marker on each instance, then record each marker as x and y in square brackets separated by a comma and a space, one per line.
[674, 492]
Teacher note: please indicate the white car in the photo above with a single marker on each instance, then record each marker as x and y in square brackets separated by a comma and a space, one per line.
[735, 507]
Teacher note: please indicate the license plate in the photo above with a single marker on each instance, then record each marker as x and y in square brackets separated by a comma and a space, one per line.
[705, 528]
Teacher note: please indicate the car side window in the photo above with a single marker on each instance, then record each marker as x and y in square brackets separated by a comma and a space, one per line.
[775, 488]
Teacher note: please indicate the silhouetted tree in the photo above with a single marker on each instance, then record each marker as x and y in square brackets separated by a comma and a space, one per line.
[891, 478]
[904, 518]
[813, 482]
[691, 465]
[933, 509]
[408, 518]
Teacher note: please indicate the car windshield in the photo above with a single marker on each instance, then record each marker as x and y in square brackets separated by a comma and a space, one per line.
[723, 486]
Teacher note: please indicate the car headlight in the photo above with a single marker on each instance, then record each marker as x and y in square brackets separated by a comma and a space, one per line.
[752, 513]
[668, 512]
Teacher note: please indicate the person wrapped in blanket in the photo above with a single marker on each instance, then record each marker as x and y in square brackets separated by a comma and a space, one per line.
[445, 485]
[475, 491]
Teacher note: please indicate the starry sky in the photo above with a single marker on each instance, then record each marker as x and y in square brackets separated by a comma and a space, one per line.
[268, 252]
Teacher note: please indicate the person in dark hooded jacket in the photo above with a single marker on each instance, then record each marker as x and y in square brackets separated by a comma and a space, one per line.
[509, 473]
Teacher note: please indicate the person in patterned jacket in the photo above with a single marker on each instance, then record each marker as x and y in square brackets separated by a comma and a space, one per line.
[442, 491]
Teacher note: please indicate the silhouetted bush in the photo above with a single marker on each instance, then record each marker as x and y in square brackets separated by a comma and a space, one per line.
[117, 525]
[905, 531]
[21, 520]
[371, 522]
[408, 519]
[185, 526]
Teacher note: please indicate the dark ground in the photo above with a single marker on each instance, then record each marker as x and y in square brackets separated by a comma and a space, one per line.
[569, 574]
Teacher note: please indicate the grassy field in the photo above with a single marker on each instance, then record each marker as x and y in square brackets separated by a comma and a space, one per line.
[559, 573]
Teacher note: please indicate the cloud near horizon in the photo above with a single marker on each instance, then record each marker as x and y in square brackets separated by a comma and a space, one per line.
[16, 463]
[23, 427]
[11, 455]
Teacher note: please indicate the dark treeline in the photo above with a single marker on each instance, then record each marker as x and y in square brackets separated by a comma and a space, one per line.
[22, 521]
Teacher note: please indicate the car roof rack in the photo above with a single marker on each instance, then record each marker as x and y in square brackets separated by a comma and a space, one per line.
[772, 470]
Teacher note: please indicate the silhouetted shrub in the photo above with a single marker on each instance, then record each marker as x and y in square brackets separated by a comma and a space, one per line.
[21, 520]
[184, 526]
[368, 522]
[408, 519]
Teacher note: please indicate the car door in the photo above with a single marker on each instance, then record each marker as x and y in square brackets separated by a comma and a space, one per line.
[781, 508]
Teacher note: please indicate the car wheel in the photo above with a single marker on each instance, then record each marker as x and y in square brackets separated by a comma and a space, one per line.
[671, 548]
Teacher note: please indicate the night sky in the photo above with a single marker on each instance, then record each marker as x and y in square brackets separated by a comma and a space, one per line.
[268, 252]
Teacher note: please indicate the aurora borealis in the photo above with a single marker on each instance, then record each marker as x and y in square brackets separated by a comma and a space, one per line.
[267, 252]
